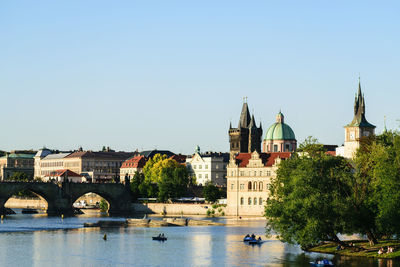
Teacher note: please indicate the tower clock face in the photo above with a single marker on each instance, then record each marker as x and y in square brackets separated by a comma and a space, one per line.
[352, 136]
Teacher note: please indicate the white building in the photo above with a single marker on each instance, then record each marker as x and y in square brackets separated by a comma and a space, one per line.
[208, 167]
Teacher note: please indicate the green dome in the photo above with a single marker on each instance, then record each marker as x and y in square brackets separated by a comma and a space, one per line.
[279, 130]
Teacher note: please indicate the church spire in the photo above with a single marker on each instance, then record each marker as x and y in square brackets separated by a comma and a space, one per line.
[359, 110]
[244, 116]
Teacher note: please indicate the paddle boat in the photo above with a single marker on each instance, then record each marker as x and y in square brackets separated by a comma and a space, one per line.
[160, 237]
[321, 263]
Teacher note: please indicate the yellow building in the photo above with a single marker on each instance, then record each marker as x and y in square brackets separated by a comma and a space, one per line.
[248, 178]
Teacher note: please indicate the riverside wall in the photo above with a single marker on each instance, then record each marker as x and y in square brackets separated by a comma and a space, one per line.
[20, 203]
[174, 209]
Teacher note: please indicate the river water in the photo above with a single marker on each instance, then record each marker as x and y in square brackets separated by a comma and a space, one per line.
[39, 240]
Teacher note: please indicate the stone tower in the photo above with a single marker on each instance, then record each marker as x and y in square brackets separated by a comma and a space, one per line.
[359, 127]
[246, 138]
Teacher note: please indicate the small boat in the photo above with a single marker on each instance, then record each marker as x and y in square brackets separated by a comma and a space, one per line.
[29, 211]
[255, 242]
[247, 239]
[321, 263]
[160, 238]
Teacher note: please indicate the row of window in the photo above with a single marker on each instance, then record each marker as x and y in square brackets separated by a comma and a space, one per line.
[52, 164]
[252, 201]
[251, 173]
[251, 186]
[199, 175]
[217, 166]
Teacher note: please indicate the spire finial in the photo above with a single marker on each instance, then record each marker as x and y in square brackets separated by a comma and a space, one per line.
[384, 124]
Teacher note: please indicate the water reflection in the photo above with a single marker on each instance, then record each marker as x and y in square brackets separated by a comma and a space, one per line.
[186, 246]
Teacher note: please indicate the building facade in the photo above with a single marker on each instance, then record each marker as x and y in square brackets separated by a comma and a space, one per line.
[208, 167]
[246, 138]
[63, 175]
[248, 178]
[50, 163]
[279, 137]
[358, 128]
[97, 167]
[16, 162]
[130, 166]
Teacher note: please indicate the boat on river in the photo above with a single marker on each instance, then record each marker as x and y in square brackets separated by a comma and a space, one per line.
[322, 263]
[252, 240]
[159, 238]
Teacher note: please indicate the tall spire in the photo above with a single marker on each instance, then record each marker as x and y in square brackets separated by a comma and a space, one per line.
[252, 124]
[359, 110]
[244, 116]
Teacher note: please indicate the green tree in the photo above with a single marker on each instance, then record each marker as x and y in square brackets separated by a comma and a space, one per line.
[19, 176]
[211, 193]
[137, 180]
[103, 205]
[308, 202]
[173, 181]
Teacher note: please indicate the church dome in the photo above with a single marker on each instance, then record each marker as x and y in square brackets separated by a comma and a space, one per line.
[279, 130]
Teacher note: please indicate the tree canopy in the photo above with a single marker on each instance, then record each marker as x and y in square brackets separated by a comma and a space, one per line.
[316, 196]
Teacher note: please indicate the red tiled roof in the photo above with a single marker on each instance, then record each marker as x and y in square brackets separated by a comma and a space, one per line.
[332, 153]
[179, 158]
[268, 159]
[61, 173]
[134, 162]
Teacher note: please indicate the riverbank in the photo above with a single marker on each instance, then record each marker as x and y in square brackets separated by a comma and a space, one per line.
[361, 248]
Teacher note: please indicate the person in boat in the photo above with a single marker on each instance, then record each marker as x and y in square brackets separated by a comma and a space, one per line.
[159, 235]
[259, 238]
[162, 235]
[247, 235]
[325, 261]
[253, 236]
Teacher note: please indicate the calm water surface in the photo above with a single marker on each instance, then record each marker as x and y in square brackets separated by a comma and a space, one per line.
[38, 240]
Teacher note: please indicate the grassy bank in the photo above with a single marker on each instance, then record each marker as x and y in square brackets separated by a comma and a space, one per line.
[361, 248]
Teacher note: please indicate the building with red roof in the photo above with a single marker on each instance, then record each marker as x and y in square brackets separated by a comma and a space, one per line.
[248, 178]
[130, 166]
[64, 175]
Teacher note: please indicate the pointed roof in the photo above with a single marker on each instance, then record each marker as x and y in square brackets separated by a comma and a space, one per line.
[359, 119]
[252, 124]
[244, 116]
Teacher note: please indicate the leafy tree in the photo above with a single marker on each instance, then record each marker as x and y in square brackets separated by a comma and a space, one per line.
[173, 181]
[103, 205]
[19, 176]
[211, 193]
[137, 180]
[307, 202]
[376, 186]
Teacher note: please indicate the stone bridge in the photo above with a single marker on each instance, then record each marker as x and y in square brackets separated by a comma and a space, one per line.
[61, 197]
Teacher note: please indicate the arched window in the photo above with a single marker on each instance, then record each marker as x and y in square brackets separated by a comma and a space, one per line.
[249, 201]
[260, 201]
[255, 186]
[249, 186]
[260, 186]
[255, 201]
[241, 201]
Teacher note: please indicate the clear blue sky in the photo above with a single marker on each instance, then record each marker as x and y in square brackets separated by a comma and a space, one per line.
[172, 74]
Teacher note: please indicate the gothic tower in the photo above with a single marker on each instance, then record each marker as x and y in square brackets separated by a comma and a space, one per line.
[246, 138]
[359, 127]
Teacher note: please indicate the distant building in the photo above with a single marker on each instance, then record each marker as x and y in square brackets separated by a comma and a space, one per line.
[42, 153]
[246, 138]
[48, 164]
[248, 179]
[17, 162]
[130, 166]
[358, 128]
[208, 167]
[97, 167]
[279, 137]
[64, 175]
